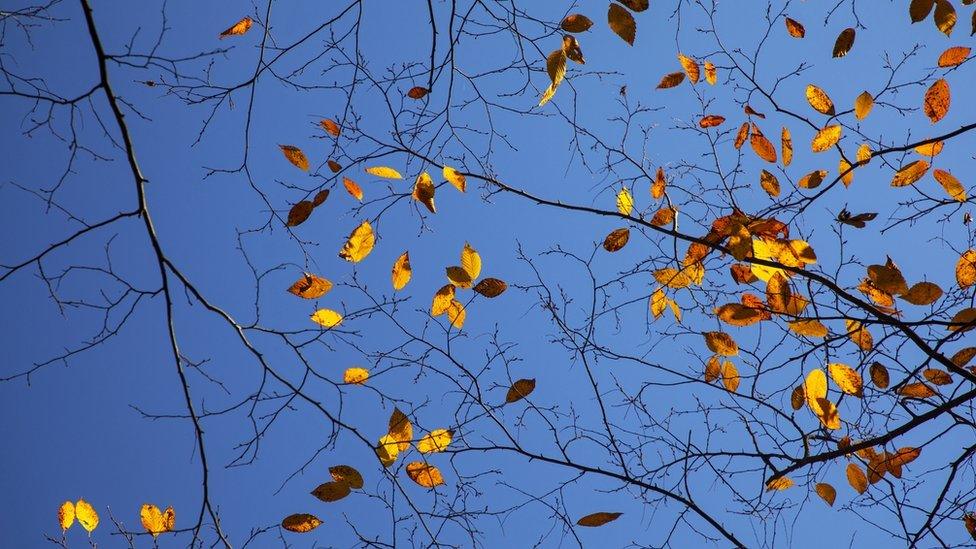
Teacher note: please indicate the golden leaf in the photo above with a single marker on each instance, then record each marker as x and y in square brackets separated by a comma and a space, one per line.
[879, 375]
[923, 293]
[347, 474]
[721, 343]
[616, 240]
[423, 191]
[963, 356]
[299, 213]
[576, 22]
[917, 390]
[826, 138]
[787, 144]
[470, 261]
[730, 376]
[856, 478]
[826, 492]
[455, 178]
[952, 186]
[795, 29]
[622, 23]
[384, 172]
[937, 377]
[779, 484]
[327, 318]
[387, 450]
[945, 16]
[713, 369]
[844, 42]
[458, 277]
[814, 389]
[86, 515]
[808, 328]
[435, 441]
[66, 515]
[888, 278]
[828, 415]
[597, 519]
[300, 523]
[625, 201]
[953, 56]
[572, 49]
[863, 105]
[352, 188]
[156, 521]
[845, 172]
[761, 146]
[331, 491]
[930, 149]
[310, 287]
[519, 390]
[657, 188]
[442, 300]
[359, 244]
[741, 135]
[423, 474]
[846, 378]
[671, 80]
[556, 67]
[331, 126]
[355, 376]
[937, 99]
[859, 335]
[819, 100]
[769, 183]
[734, 314]
[238, 28]
[711, 120]
[456, 314]
[400, 429]
[812, 180]
[910, 173]
[711, 74]
[966, 269]
[664, 216]
[490, 287]
[963, 320]
[904, 456]
[401, 271]
[295, 156]
[864, 153]
[690, 66]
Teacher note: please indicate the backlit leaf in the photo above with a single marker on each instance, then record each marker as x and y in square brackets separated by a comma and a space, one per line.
[690, 66]
[826, 138]
[671, 80]
[456, 314]
[966, 269]
[721, 343]
[812, 180]
[879, 375]
[327, 318]
[519, 390]
[417, 92]
[310, 286]
[711, 74]
[331, 491]
[400, 429]
[730, 376]
[556, 68]
[844, 42]
[490, 287]
[769, 183]
[761, 146]
[295, 156]
[937, 377]
[455, 178]
[616, 240]
[442, 300]
[435, 441]
[846, 378]
[826, 492]
[387, 450]
[86, 515]
[953, 56]
[356, 376]
[863, 105]
[787, 144]
[952, 186]
[359, 244]
[401, 271]
[424, 474]
[622, 23]
[597, 519]
[910, 173]
[819, 100]
[625, 201]
[384, 171]
[66, 515]
[937, 99]
[945, 16]
[576, 22]
[856, 478]
[423, 191]
[352, 188]
[331, 126]
[238, 28]
[795, 29]
[711, 120]
[300, 523]
[917, 390]
[156, 521]
[779, 484]
[347, 474]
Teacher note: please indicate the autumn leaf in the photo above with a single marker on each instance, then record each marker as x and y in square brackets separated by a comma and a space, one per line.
[879, 375]
[859, 335]
[347, 474]
[930, 149]
[787, 145]
[856, 478]
[636, 5]
[863, 105]
[917, 390]
[359, 243]
[299, 213]
[417, 92]
[625, 201]
[741, 135]
[910, 173]
[721, 343]
[826, 492]
[945, 16]
[597, 519]
[711, 73]
[156, 521]
[238, 28]
[327, 318]
[455, 178]
[844, 42]
[779, 484]
[936, 376]
[812, 180]
[355, 376]
[310, 286]
[762, 146]
[556, 68]
[384, 171]
[331, 126]
[953, 56]
[435, 441]
[671, 80]
[826, 138]
[846, 378]
[424, 474]
[519, 390]
[401, 271]
[295, 155]
[331, 491]
[352, 188]
[730, 376]
[952, 186]
[659, 184]
[334, 166]
[456, 313]
[66, 515]
[387, 450]
[300, 523]
[795, 29]
[937, 99]
[711, 120]
[690, 66]
[490, 287]
[423, 191]
[966, 269]
[442, 300]
[400, 429]
[86, 515]
[616, 240]
[576, 22]
[769, 183]
[622, 23]
[819, 100]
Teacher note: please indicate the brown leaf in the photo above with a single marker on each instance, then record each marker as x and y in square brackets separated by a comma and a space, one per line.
[597, 519]
[795, 29]
[923, 293]
[826, 492]
[856, 478]
[919, 10]
[741, 135]
[812, 180]
[299, 213]
[622, 23]
[671, 80]
[300, 523]
[490, 287]
[917, 390]
[331, 126]
[320, 197]
[690, 66]
[845, 40]
[762, 146]
[576, 22]
[616, 240]
[945, 16]
[711, 120]
[417, 92]
[519, 390]
[331, 491]
[787, 144]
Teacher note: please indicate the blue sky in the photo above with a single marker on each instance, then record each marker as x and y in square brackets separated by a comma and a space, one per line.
[77, 429]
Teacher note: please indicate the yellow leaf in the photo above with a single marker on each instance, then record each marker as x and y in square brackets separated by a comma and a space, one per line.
[442, 300]
[844, 42]
[597, 519]
[86, 515]
[863, 105]
[359, 244]
[387, 450]
[856, 478]
[519, 390]
[721, 343]
[347, 475]
[156, 521]
[455, 178]
[808, 328]
[238, 28]
[310, 287]
[384, 171]
[435, 441]
[711, 74]
[423, 191]
[327, 318]
[762, 146]
[730, 376]
[787, 144]
[910, 173]
[779, 484]
[331, 491]
[826, 138]
[690, 66]
[859, 335]
[490, 287]
[401, 271]
[471, 261]
[937, 100]
[814, 389]
[400, 429]
[556, 67]
[966, 269]
[659, 302]
[355, 375]
[864, 153]
[295, 156]
[713, 369]
[622, 23]
[456, 314]
[826, 493]
[846, 378]
[734, 314]
[66, 515]
[300, 523]
[819, 100]
[930, 149]
[952, 186]
[769, 183]
[352, 188]
[625, 201]
[424, 474]
[845, 172]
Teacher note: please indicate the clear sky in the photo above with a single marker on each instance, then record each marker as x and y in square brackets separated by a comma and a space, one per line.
[106, 424]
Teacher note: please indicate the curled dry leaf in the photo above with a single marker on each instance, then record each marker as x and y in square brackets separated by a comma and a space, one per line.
[300, 523]
[238, 28]
[519, 390]
[787, 144]
[556, 67]
[597, 519]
